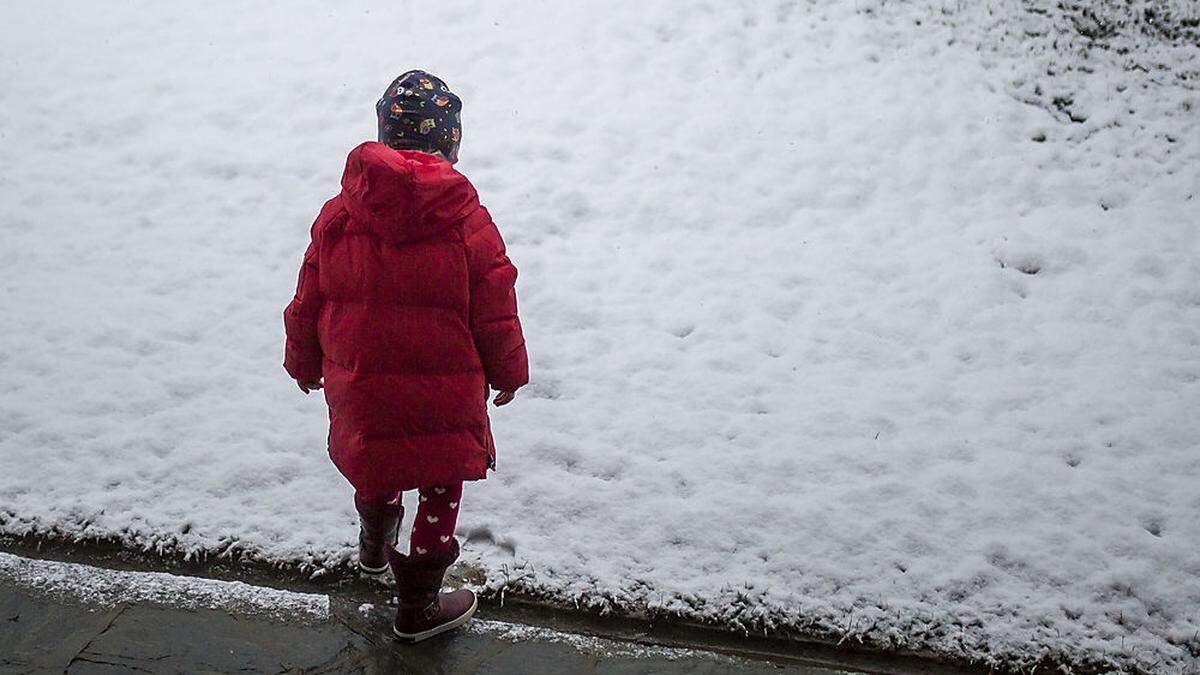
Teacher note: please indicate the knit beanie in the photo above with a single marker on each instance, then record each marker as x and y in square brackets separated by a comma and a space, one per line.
[419, 112]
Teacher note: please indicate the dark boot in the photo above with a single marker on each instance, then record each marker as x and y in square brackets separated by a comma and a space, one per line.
[378, 526]
[424, 611]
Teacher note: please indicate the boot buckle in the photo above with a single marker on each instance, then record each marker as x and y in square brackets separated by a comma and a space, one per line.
[432, 610]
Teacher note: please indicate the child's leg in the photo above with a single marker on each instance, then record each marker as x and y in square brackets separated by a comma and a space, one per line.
[437, 513]
[379, 522]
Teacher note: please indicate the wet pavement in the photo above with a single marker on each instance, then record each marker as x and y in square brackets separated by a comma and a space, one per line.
[38, 634]
[82, 610]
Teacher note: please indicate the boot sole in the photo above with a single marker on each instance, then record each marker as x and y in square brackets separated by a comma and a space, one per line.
[373, 571]
[437, 630]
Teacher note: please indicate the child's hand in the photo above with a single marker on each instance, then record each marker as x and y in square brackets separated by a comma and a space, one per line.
[504, 398]
[309, 385]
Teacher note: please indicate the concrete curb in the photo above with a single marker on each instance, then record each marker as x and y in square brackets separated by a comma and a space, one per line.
[351, 590]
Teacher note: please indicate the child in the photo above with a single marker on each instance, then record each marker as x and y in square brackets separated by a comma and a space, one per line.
[405, 313]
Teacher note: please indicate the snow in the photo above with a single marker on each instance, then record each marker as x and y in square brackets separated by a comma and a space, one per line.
[98, 586]
[589, 644]
[838, 320]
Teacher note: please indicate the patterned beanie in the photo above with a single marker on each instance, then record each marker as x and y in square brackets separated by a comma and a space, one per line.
[419, 112]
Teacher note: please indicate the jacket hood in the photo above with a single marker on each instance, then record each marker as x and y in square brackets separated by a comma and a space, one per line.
[404, 195]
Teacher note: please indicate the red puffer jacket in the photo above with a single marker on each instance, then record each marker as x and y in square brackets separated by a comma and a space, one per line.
[406, 306]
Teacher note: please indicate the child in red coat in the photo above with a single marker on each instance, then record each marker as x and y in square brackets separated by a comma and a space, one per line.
[405, 314]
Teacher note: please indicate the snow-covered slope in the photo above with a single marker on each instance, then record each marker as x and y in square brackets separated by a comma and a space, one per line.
[875, 318]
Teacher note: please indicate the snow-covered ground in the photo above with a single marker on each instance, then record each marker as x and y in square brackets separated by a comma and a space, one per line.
[875, 318]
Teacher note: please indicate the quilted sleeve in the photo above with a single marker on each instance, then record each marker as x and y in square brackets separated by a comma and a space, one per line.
[495, 326]
[302, 352]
